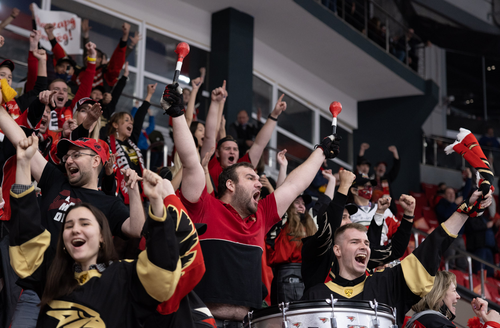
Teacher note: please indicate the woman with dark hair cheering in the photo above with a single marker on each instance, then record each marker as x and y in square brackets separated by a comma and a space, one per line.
[82, 284]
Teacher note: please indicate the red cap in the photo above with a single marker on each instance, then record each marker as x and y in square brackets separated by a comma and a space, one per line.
[100, 147]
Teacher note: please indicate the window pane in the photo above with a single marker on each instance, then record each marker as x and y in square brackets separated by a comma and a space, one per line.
[297, 118]
[325, 128]
[106, 29]
[161, 58]
[160, 119]
[126, 103]
[16, 48]
[298, 152]
[262, 96]
[24, 18]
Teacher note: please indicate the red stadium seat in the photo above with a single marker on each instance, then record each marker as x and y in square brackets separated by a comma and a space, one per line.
[420, 197]
[430, 191]
[430, 216]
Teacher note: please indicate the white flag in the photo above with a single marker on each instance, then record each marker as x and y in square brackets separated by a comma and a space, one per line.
[67, 29]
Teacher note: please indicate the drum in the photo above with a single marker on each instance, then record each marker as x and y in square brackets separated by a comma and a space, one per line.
[331, 313]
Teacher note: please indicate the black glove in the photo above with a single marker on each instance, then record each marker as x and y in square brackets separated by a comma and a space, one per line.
[330, 146]
[172, 101]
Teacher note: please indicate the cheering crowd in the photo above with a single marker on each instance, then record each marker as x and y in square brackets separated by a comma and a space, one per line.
[96, 239]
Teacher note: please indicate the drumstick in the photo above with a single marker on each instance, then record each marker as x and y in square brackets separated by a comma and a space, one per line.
[182, 51]
[335, 109]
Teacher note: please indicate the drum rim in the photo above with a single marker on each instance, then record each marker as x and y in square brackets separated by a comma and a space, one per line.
[341, 304]
[341, 311]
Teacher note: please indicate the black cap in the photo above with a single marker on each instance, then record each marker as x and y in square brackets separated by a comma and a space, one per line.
[100, 88]
[200, 228]
[362, 179]
[66, 60]
[363, 161]
[306, 198]
[351, 208]
[9, 63]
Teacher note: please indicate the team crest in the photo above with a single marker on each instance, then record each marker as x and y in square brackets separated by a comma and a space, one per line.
[356, 326]
[348, 292]
[74, 315]
[297, 324]
[351, 318]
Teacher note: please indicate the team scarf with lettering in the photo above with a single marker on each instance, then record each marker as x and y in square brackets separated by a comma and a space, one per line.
[122, 164]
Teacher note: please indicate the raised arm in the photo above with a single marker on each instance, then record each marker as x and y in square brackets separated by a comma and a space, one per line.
[193, 177]
[13, 14]
[264, 135]
[283, 162]
[195, 86]
[209, 141]
[132, 226]
[300, 178]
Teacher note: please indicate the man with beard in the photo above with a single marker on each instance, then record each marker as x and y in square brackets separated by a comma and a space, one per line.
[237, 222]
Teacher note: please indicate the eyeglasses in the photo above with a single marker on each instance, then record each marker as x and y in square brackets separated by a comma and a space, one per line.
[74, 156]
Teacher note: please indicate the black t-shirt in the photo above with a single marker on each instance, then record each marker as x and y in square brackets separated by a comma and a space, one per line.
[58, 195]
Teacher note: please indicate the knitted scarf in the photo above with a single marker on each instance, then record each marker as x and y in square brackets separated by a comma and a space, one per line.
[122, 163]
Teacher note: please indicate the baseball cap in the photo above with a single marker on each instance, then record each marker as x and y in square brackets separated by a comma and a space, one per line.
[100, 88]
[306, 198]
[67, 60]
[100, 147]
[9, 63]
[362, 179]
[363, 161]
[85, 100]
[351, 208]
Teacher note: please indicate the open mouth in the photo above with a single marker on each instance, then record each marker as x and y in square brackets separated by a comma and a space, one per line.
[78, 242]
[256, 196]
[231, 159]
[129, 128]
[360, 258]
[73, 170]
[60, 99]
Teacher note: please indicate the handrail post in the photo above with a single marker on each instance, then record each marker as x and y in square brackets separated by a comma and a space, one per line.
[471, 283]
[366, 18]
[482, 280]
[435, 153]
[424, 148]
[387, 48]
[165, 155]
[148, 158]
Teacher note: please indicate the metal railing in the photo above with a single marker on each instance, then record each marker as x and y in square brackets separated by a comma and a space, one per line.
[461, 254]
[379, 26]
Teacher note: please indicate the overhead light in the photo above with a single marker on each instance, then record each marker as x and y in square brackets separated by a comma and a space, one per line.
[184, 79]
[472, 101]
[493, 67]
[489, 68]
[467, 102]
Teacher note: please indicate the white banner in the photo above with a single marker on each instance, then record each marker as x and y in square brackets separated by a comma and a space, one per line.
[67, 29]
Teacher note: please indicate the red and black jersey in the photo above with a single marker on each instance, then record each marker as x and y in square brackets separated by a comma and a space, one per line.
[232, 248]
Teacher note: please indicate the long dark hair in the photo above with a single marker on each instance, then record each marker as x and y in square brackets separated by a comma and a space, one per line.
[298, 226]
[60, 277]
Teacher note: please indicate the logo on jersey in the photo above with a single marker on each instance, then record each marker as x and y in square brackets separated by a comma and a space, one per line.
[348, 291]
[74, 315]
[62, 203]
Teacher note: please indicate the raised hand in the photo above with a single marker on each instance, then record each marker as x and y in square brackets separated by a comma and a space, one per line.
[91, 52]
[125, 31]
[218, 94]
[86, 27]
[346, 177]
[27, 148]
[131, 178]
[330, 146]
[206, 159]
[49, 29]
[327, 174]
[225, 90]
[152, 88]
[15, 12]
[195, 83]
[383, 204]
[408, 203]
[281, 158]
[135, 39]
[279, 108]
[364, 146]
[47, 97]
[172, 101]
[68, 126]
[106, 98]
[394, 151]
[40, 54]
[109, 164]
[93, 114]
[153, 185]
[35, 36]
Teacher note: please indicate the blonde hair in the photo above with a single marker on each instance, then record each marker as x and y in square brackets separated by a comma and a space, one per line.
[297, 227]
[434, 299]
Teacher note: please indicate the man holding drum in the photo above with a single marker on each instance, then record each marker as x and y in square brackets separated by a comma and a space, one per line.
[403, 285]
